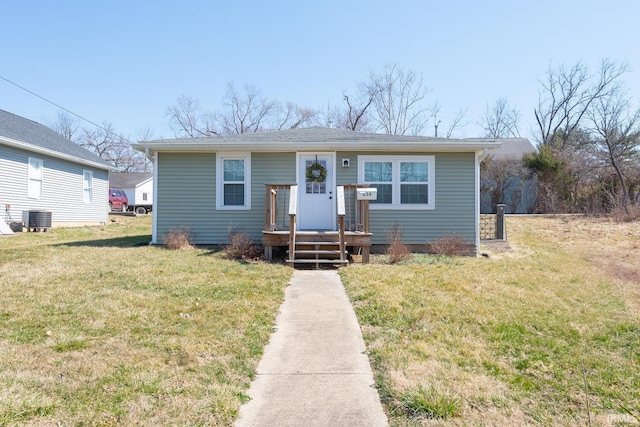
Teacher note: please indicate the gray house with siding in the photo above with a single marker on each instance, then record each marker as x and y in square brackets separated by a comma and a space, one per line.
[40, 170]
[282, 187]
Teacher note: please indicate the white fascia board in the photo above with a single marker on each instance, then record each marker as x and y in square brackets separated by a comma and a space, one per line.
[458, 146]
[52, 153]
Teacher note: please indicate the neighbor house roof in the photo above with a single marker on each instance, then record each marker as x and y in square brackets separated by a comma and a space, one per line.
[512, 149]
[28, 135]
[128, 179]
[316, 138]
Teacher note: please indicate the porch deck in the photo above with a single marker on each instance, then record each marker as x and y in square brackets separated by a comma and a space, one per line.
[315, 246]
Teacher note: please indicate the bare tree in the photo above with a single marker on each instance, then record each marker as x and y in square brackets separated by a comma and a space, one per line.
[187, 119]
[459, 120]
[501, 120]
[113, 148]
[291, 116]
[615, 124]
[66, 125]
[500, 178]
[355, 115]
[245, 111]
[398, 101]
[567, 95]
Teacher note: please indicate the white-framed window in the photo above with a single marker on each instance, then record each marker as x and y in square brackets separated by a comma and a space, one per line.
[87, 186]
[34, 190]
[233, 178]
[403, 182]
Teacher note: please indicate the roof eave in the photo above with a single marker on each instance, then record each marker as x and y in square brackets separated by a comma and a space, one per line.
[462, 146]
[52, 153]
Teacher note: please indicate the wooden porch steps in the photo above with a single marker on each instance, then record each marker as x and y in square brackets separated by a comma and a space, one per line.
[316, 249]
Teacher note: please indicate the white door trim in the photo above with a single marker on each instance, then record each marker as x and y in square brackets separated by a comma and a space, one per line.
[301, 185]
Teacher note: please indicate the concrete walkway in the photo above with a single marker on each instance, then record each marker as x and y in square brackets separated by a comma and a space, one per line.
[314, 371]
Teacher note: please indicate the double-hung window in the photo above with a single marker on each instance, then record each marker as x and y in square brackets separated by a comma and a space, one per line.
[87, 186]
[233, 178]
[403, 182]
[34, 190]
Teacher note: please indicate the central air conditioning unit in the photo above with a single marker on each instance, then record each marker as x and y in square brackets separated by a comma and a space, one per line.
[36, 219]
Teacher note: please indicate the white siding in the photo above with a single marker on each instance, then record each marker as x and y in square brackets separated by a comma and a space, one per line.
[62, 188]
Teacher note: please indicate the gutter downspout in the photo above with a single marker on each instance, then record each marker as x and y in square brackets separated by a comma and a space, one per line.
[485, 153]
[154, 211]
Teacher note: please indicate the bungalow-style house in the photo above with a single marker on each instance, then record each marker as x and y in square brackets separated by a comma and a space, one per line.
[138, 186]
[41, 171]
[305, 189]
[505, 180]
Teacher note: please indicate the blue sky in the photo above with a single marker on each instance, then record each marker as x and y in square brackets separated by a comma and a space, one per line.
[127, 61]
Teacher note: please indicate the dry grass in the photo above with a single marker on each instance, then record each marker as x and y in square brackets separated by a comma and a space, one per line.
[97, 328]
[507, 337]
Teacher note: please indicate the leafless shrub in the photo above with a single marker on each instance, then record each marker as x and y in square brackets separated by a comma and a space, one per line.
[626, 213]
[241, 247]
[451, 245]
[396, 251]
[178, 238]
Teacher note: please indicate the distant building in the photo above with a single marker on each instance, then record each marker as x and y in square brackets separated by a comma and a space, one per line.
[504, 179]
[138, 186]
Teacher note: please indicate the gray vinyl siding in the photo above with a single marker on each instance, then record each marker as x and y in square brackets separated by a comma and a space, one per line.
[62, 188]
[455, 194]
[186, 195]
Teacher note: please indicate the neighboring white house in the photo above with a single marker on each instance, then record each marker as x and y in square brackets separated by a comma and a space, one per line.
[138, 186]
[41, 171]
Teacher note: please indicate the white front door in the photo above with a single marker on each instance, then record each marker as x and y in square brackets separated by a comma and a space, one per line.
[316, 192]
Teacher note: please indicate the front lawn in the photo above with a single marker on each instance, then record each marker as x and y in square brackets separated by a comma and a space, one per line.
[98, 328]
[547, 333]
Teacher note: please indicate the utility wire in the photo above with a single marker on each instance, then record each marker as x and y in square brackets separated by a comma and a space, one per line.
[65, 109]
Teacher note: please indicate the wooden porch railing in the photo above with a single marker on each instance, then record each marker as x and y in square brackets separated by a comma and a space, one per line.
[281, 200]
[277, 198]
[293, 211]
[341, 215]
[357, 211]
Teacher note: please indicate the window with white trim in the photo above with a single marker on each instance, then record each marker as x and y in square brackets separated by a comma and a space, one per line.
[233, 177]
[403, 182]
[87, 186]
[34, 190]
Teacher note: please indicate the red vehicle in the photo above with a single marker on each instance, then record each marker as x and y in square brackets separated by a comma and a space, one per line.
[118, 200]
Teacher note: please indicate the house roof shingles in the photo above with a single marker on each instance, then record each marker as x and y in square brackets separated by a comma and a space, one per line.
[128, 179]
[39, 136]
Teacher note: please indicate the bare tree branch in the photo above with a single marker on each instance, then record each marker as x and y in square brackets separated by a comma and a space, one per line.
[567, 95]
[501, 120]
[398, 96]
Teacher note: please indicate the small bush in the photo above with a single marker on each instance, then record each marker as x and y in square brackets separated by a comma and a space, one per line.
[625, 212]
[178, 238]
[241, 247]
[450, 245]
[396, 251]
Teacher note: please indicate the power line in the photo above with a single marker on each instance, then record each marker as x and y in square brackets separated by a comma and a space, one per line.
[62, 108]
